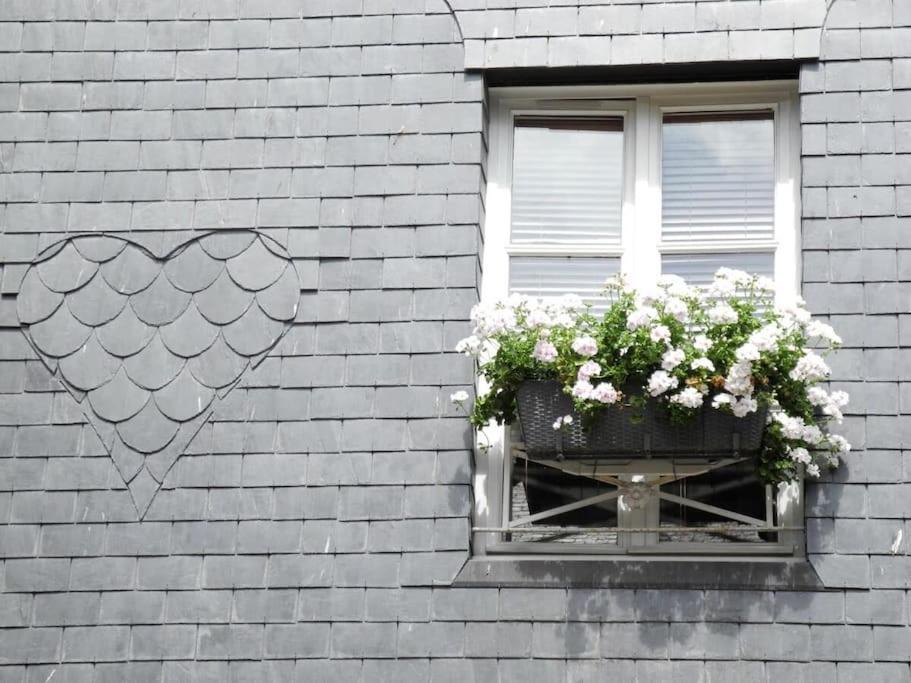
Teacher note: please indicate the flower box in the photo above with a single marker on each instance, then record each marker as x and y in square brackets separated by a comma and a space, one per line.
[622, 431]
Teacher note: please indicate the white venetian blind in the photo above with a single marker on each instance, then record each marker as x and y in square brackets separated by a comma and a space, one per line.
[567, 183]
[699, 269]
[549, 276]
[718, 177]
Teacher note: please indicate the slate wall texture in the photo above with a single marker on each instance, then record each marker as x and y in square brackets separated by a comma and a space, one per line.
[312, 527]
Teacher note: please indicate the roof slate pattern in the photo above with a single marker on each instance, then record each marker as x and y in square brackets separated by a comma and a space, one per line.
[147, 344]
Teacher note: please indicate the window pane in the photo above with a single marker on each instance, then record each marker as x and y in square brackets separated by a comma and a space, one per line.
[557, 275]
[567, 180]
[718, 177]
[699, 269]
[735, 488]
[537, 488]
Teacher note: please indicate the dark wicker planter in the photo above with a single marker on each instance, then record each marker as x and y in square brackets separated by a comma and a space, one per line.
[711, 433]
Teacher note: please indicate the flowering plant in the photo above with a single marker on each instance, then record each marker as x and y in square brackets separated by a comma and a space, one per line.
[723, 347]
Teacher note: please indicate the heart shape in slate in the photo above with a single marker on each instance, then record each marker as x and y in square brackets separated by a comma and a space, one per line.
[147, 344]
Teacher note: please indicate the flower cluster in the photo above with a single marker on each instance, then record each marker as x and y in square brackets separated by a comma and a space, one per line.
[722, 347]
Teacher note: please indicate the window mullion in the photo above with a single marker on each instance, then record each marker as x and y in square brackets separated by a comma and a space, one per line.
[642, 264]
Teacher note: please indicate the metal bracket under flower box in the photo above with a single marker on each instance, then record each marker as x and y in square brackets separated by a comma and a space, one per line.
[624, 432]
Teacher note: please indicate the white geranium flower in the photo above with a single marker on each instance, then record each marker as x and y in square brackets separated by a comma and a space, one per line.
[672, 358]
[588, 370]
[801, 455]
[641, 317]
[721, 314]
[605, 393]
[811, 368]
[744, 406]
[470, 346]
[585, 346]
[538, 317]
[561, 422]
[738, 277]
[747, 353]
[688, 398]
[545, 352]
[812, 470]
[677, 308]
[702, 343]
[722, 288]
[661, 382]
[582, 389]
[459, 397]
[739, 379]
[570, 302]
[722, 400]
[702, 364]
[660, 333]
[839, 444]
[821, 330]
[675, 285]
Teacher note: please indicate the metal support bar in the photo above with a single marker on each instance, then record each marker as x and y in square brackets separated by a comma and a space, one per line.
[569, 507]
[721, 512]
[644, 529]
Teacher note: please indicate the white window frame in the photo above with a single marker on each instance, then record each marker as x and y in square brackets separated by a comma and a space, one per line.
[642, 108]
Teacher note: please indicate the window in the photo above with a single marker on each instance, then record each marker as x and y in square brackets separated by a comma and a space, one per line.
[587, 182]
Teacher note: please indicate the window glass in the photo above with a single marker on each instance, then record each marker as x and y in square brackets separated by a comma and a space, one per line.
[567, 182]
[717, 177]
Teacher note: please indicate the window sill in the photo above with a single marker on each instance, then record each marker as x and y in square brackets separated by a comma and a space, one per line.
[656, 572]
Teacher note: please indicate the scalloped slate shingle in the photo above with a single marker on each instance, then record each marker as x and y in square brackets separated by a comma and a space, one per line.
[147, 344]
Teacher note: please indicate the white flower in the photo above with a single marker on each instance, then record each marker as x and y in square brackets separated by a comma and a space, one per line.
[570, 302]
[561, 422]
[703, 364]
[791, 427]
[722, 400]
[585, 346]
[661, 382]
[747, 353]
[767, 337]
[813, 470]
[722, 313]
[738, 277]
[470, 346]
[672, 358]
[840, 398]
[459, 397]
[538, 317]
[821, 330]
[588, 369]
[744, 406]
[738, 380]
[839, 444]
[688, 398]
[641, 317]
[702, 343]
[817, 396]
[801, 455]
[810, 367]
[582, 389]
[677, 308]
[765, 284]
[605, 393]
[675, 285]
[721, 288]
[660, 333]
[545, 352]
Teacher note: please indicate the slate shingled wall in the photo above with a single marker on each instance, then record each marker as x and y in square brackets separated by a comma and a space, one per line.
[310, 531]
